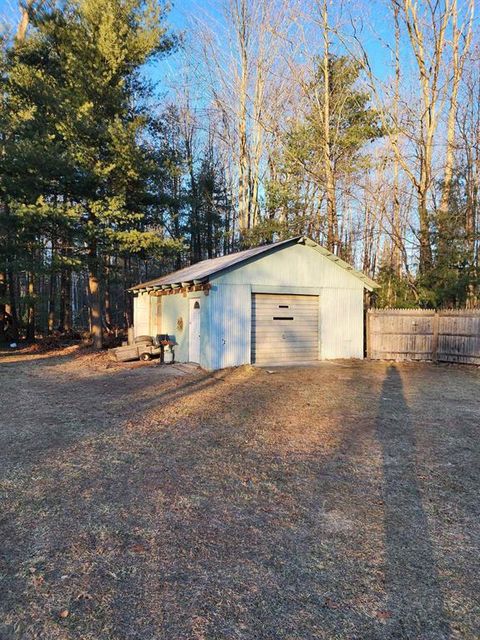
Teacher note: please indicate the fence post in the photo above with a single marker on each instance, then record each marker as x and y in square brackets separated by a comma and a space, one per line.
[435, 323]
[367, 332]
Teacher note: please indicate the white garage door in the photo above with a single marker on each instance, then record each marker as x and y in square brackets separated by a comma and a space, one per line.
[284, 328]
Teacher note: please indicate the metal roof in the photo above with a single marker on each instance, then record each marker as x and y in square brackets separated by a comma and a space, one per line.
[200, 272]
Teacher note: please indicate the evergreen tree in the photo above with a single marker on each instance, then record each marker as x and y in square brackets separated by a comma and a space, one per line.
[78, 146]
[299, 179]
[453, 275]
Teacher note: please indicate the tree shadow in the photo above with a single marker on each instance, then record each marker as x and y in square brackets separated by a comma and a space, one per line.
[211, 518]
[415, 598]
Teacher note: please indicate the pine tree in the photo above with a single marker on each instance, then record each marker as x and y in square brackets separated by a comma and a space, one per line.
[78, 146]
[300, 179]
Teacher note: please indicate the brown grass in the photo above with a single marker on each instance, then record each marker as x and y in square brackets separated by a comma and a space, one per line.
[338, 501]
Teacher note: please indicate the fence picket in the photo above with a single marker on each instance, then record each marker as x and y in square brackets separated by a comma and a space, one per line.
[424, 334]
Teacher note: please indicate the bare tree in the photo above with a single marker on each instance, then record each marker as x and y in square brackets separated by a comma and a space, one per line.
[413, 129]
[461, 37]
[240, 71]
[332, 226]
[468, 159]
[27, 9]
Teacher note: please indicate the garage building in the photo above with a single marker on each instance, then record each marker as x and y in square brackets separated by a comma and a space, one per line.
[289, 302]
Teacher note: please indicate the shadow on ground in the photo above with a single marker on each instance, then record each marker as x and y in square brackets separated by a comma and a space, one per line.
[413, 585]
[236, 505]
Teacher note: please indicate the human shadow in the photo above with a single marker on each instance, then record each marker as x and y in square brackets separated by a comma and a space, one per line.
[415, 601]
[211, 518]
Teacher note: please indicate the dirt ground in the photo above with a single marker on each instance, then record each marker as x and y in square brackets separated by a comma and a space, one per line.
[141, 502]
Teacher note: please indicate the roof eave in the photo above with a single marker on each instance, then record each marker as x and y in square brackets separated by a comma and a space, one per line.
[368, 283]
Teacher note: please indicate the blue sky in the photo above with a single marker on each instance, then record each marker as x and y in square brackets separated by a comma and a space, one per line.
[184, 11]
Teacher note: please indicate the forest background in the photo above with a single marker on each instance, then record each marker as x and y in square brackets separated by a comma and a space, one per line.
[137, 138]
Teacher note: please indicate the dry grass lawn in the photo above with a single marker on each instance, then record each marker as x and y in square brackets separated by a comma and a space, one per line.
[333, 502]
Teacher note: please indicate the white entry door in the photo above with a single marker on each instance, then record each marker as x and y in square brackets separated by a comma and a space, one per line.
[194, 331]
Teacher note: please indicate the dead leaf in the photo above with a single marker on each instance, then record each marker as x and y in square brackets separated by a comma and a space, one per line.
[383, 615]
[331, 604]
[37, 581]
[64, 613]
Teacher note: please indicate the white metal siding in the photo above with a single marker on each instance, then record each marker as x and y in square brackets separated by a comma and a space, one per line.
[194, 330]
[284, 328]
[141, 314]
[297, 266]
[302, 270]
[175, 323]
[155, 315]
[341, 323]
[228, 342]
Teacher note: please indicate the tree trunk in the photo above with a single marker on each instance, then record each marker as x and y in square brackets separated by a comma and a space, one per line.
[12, 307]
[396, 257]
[458, 59]
[429, 67]
[3, 307]
[51, 302]
[227, 222]
[243, 164]
[94, 297]
[52, 289]
[209, 213]
[195, 244]
[176, 218]
[332, 231]
[127, 299]
[30, 332]
[257, 147]
[107, 307]
[425, 258]
[5, 313]
[65, 310]
[65, 319]
[25, 8]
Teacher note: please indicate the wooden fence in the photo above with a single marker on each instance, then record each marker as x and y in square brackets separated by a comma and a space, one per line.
[417, 334]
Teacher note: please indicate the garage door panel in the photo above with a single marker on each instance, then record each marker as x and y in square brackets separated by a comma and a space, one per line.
[297, 299]
[284, 328]
[296, 335]
[304, 310]
[283, 346]
[287, 316]
[306, 351]
[305, 329]
[286, 305]
[289, 300]
[304, 336]
[283, 357]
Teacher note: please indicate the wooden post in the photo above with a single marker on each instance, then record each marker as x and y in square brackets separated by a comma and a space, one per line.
[367, 333]
[435, 324]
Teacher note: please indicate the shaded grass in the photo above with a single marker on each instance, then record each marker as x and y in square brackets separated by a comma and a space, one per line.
[337, 501]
